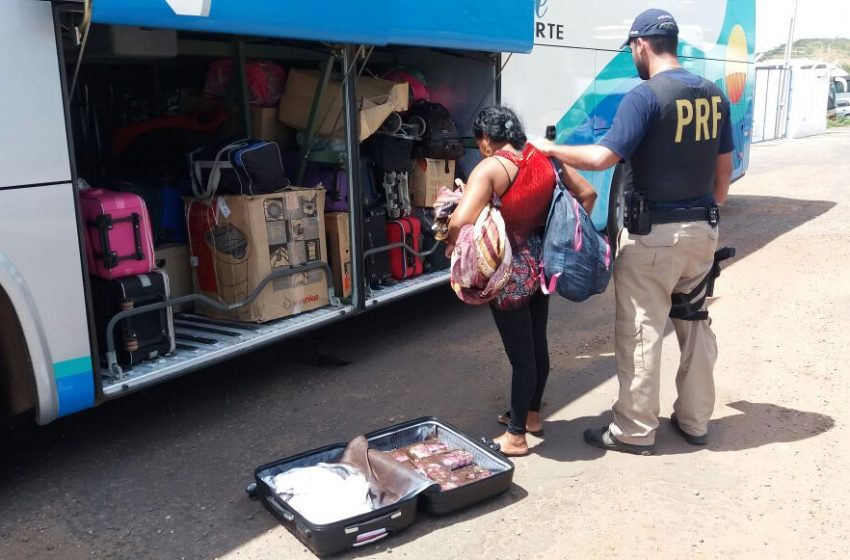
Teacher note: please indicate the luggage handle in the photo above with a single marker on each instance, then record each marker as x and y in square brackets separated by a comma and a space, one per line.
[104, 223]
[351, 529]
[370, 537]
[401, 245]
[284, 511]
[207, 190]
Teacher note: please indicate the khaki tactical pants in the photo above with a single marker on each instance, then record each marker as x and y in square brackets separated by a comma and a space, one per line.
[648, 269]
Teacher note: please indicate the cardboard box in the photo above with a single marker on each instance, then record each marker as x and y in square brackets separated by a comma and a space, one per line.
[339, 251]
[174, 260]
[236, 241]
[427, 177]
[377, 100]
[266, 126]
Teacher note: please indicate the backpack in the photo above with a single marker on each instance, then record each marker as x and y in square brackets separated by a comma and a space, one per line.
[577, 259]
[441, 139]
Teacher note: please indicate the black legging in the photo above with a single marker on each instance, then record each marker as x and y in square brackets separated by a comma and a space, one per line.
[523, 333]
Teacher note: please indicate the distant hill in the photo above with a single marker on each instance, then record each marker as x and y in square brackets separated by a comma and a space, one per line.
[837, 50]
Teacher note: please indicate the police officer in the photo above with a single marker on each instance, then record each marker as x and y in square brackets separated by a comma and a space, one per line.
[675, 131]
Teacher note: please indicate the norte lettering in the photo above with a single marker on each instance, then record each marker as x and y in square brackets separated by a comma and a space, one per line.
[703, 115]
[553, 31]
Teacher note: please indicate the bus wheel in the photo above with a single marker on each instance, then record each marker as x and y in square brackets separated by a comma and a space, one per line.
[620, 182]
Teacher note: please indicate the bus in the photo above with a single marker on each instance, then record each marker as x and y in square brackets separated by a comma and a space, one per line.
[76, 69]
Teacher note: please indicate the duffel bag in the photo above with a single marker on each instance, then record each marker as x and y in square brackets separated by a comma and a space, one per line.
[577, 259]
[441, 139]
[245, 167]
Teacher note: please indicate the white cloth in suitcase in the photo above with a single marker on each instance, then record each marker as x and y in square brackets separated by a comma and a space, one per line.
[325, 493]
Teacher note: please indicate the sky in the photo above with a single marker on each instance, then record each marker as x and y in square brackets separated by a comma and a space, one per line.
[815, 19]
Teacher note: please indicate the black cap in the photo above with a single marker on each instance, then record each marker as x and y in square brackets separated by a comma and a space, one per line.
[652, 23]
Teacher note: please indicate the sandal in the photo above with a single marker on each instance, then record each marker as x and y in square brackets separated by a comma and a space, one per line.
[493, 446]
[505, 418]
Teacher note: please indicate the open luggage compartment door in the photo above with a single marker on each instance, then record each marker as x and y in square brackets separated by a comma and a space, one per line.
[482, 25]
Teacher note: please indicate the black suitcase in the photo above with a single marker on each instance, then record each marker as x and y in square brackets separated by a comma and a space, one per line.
[140, 337]
[388, 153]
[369, 188]
[357, 531]
[437, 260]
[330, 538]
[374, 236]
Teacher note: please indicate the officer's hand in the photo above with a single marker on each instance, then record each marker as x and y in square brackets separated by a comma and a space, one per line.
[545, 146]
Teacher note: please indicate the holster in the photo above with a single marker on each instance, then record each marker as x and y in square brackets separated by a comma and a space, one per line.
[688, 307]
[636, 216]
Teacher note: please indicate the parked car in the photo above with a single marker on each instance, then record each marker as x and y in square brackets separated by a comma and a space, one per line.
[842, 108]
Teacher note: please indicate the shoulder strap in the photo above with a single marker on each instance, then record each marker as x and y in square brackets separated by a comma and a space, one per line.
[559, 173]
[513, 158]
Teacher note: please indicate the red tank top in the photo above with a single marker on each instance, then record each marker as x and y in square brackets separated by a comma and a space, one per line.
[525, 205]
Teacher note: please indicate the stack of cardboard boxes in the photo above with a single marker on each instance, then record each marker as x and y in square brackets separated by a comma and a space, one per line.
[235, 242]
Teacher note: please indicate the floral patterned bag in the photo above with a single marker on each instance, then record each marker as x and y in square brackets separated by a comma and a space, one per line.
[524, 281]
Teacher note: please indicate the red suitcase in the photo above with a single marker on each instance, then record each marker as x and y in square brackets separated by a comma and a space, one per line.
[403, 264]
[119, 239]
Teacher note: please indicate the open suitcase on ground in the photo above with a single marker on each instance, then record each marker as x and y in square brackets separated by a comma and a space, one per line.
[332, 538]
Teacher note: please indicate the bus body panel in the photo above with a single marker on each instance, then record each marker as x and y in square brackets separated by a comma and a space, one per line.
[579, 93]
[39, 237]
[33, 141]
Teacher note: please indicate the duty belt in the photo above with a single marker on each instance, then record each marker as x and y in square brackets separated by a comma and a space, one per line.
[710, 214]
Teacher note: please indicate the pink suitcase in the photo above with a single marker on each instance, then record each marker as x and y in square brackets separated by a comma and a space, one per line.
[119, 241]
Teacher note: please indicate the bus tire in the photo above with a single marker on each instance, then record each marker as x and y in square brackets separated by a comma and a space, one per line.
[620, 182]
[17, 382]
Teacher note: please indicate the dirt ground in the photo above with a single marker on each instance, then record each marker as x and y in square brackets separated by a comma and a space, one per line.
[161, 474]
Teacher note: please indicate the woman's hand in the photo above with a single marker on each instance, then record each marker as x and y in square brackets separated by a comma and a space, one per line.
[450, 247]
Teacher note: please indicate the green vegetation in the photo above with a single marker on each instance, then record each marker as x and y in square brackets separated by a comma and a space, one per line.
[836, 123]
[836, 50]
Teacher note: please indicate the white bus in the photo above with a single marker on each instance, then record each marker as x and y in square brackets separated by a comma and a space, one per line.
[75, 70]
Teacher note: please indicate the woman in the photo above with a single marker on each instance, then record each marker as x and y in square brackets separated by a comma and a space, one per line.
[524, 179]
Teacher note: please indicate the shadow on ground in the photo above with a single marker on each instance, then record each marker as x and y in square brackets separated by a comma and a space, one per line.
[161, 473]
[757, 425]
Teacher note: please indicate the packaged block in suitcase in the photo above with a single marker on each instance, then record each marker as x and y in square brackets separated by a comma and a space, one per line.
[140, 337]
[332, 538]
[118, 235]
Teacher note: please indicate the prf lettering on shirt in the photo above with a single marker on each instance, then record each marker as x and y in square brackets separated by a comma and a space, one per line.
[697, 115]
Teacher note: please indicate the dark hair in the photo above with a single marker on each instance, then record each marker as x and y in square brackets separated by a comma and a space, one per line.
[501, 125]
[663, 44]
